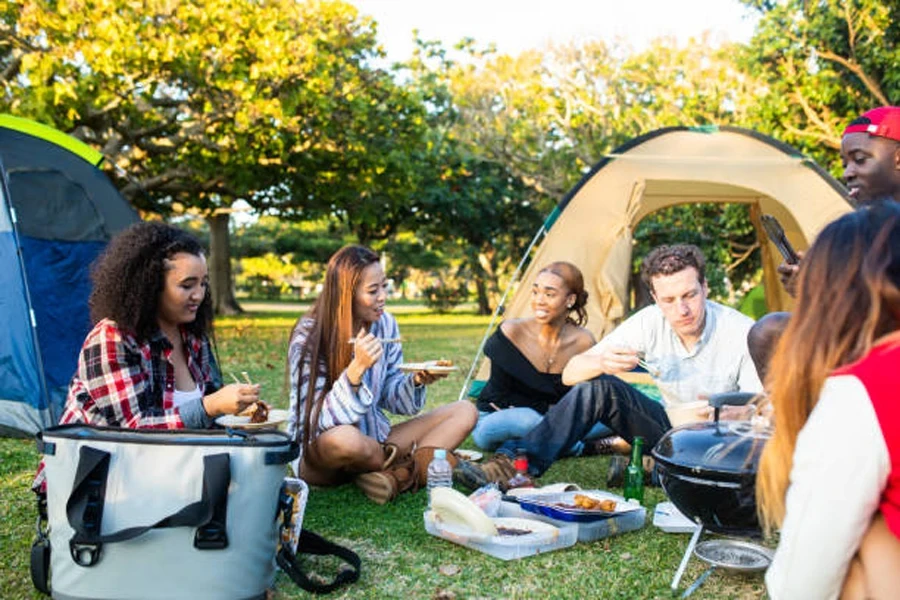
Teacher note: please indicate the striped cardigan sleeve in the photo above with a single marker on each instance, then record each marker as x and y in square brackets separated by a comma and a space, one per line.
[340, 406]
[399, 394]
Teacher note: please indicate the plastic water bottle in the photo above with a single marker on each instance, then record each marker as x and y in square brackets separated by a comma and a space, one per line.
[440, 473]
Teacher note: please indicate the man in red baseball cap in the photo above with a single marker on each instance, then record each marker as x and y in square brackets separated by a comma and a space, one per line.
[870, 153]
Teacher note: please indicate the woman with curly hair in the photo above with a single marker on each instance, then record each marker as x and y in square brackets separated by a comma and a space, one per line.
[337, 408]
[527, 359]
[147, 363]
[829, 475]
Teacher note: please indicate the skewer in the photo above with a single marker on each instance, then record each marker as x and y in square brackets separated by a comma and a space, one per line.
[236, 380]
[246, 377]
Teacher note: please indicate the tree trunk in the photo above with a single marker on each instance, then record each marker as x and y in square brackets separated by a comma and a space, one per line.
[220, 284]
[484, 303]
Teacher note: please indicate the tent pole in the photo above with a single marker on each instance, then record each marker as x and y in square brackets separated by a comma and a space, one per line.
[540, 233]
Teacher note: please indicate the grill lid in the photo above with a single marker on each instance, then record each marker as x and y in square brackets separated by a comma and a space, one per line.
[730, 448]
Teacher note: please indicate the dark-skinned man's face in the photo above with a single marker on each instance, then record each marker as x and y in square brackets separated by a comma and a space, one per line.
[871, 166]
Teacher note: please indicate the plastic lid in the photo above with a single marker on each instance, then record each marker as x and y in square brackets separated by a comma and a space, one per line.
[440, 453]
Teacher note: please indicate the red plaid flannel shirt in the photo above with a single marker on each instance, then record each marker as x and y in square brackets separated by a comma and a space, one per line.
[121, 382]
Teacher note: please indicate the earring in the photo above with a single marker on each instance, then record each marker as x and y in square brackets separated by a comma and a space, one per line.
[570, 305]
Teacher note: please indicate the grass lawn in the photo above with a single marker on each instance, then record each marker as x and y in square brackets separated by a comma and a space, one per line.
[400, 560]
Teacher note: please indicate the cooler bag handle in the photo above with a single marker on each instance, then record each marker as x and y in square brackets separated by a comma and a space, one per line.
[84, 508]
[311, 543]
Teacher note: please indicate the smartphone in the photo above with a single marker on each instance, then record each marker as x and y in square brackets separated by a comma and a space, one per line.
[775, 232]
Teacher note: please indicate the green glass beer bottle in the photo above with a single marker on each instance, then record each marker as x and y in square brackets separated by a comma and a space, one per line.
[634, 474]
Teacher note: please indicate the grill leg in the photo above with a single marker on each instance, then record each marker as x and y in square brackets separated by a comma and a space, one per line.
[686, 557]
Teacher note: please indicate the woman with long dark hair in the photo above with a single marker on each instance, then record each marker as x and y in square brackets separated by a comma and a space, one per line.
[827, 477]
[338, 408]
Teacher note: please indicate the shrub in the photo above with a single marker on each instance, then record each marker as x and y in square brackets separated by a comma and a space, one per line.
[442, 298]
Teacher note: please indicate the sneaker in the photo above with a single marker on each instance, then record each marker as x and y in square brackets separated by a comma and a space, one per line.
[615, 475]
[499, 469]
[612, 444]
[469, 475]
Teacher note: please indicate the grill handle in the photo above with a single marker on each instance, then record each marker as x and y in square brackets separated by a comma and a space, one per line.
[717, 401]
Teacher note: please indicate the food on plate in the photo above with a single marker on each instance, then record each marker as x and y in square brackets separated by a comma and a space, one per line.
[588, 503]
[258, 412]
[582, 501]
[450, 506]
[444, 362]
[510, 531]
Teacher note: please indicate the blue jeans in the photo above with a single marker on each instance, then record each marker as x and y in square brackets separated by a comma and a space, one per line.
[605, 399]
[494, 428]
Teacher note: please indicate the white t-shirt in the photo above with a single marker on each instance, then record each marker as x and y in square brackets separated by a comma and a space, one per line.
[180, 397]
[718, 362]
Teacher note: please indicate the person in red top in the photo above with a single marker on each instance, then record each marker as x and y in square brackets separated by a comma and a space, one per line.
[827, 477]
[147, 362]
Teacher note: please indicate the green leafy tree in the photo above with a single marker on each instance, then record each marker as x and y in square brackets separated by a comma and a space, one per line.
[470, 204]
[820, 64]
[204, 103]
[548, 117]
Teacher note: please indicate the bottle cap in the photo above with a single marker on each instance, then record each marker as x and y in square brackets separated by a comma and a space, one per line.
[440, 453]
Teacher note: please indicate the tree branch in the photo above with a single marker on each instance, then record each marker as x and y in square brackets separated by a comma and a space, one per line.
[742, 258]
[855, 68]
[12, 69]
[826, 134]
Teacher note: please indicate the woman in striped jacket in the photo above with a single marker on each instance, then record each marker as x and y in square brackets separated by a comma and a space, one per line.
[338, 414]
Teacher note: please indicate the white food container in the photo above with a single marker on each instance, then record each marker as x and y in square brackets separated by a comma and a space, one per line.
[543, 537]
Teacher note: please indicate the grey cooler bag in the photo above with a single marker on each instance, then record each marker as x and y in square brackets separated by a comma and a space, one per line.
[147, 514]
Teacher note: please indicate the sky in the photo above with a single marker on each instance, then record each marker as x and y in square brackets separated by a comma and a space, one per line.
[517, 25]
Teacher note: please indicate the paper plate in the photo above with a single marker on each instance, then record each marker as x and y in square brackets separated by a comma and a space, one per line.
[429, 366]
[469, 455]
[276, 417]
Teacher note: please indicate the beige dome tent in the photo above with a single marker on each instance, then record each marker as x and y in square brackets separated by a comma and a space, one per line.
[593, 224]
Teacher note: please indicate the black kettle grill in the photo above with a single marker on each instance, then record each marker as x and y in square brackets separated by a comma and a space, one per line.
[708, 470]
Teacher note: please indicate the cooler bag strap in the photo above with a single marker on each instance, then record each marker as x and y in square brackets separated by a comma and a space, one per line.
[40, 549]
[84, 508]
[311, 543]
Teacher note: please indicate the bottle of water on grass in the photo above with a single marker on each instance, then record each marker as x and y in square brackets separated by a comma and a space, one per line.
[440, 473]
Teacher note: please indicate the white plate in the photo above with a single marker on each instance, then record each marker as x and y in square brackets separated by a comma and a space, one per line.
[469, 455]
[430, 366]
[276, 417]
[671, 520]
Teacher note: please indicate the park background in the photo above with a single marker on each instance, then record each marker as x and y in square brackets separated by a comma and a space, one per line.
[279, 130]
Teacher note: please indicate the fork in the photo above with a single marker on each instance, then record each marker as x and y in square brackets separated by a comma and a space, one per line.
[652, 370]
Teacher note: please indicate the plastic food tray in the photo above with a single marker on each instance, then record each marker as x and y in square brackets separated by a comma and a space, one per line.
[585, 532]
[559, 506]
[544, 539]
